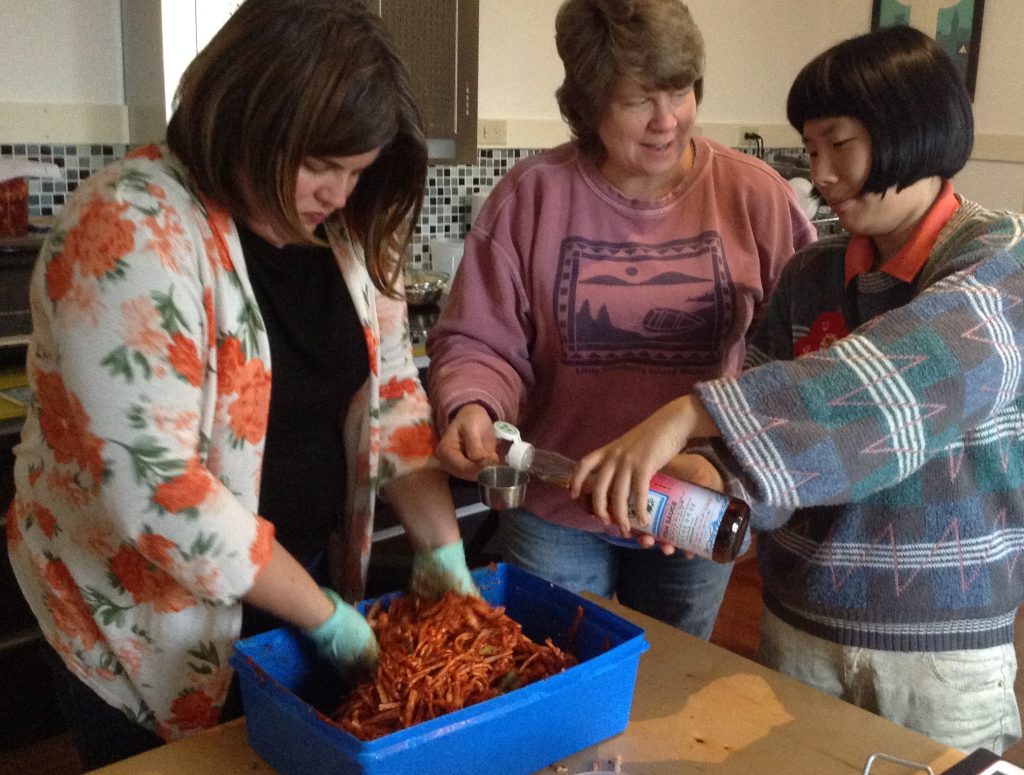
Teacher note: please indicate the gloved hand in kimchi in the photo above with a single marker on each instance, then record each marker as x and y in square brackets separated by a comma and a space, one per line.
[345, 639]
[440, 570]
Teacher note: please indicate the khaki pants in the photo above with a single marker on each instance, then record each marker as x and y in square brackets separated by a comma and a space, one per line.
[964, 698]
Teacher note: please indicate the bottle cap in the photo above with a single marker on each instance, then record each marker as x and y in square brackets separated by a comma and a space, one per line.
[520, 454]
[506, 431]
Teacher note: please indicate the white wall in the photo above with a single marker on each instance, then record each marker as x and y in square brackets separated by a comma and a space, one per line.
[748, 71]
[753, 57]
[519, 67]
[61, 74]
[754, 50]
[753, 53]
[61, 51]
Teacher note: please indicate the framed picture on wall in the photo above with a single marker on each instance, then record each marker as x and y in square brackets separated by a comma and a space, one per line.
[955, 24]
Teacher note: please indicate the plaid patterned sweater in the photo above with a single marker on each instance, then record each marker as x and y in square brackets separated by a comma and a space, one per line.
[886, 471]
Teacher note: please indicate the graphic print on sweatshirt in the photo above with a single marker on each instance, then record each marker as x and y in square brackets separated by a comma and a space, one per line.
[668, 305]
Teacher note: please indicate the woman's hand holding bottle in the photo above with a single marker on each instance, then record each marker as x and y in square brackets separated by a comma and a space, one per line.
[620, 472]
[690, 515]
[695, 468]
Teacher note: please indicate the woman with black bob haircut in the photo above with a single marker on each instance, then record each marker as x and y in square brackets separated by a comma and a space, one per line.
[875, 430]
[908, 94]
[223, 382]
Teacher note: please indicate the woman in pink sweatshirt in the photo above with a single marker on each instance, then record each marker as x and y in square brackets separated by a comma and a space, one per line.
[603, 278]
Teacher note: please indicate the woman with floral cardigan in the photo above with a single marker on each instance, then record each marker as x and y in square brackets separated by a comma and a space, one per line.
[223, 383]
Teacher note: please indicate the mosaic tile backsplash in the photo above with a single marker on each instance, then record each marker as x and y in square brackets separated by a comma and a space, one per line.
[78, 162]
[445, 209]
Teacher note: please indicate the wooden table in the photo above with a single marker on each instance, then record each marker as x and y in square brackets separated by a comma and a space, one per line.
[697, 709]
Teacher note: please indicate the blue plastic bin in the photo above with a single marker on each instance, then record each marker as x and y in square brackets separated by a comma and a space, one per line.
[286, 692]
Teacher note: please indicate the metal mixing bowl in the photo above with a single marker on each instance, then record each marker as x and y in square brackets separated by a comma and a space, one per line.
[424, 287]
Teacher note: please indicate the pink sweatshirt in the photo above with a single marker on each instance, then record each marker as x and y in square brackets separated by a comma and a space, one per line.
[576, 312]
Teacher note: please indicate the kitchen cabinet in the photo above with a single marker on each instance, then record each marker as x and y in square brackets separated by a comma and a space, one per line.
[437, 38]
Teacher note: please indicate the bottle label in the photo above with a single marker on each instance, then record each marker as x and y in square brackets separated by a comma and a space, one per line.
[685, 515]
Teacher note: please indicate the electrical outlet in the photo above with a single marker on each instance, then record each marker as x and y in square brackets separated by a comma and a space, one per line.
[492, 131]
[747, 135]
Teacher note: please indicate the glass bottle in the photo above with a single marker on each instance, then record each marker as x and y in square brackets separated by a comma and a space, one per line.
[688, 516]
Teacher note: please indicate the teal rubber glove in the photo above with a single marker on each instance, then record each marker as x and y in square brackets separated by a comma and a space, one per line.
[440, 570]
[346, 639]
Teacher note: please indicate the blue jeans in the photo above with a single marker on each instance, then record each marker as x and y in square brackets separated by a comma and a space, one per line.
[685, 593]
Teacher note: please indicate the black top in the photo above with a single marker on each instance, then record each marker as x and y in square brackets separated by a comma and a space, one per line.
[318, 361]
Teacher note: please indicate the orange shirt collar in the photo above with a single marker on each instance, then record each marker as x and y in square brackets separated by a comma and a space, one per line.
[860, 253]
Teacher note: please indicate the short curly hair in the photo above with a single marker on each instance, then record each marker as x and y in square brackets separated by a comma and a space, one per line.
[654, 42]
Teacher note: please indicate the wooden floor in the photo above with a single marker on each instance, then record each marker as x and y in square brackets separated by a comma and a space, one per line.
[735, 630]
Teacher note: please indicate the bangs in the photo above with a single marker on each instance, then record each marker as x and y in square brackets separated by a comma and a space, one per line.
[360, 114]
[350, 128]
[904, 88]
[817, 93]
[670, 79]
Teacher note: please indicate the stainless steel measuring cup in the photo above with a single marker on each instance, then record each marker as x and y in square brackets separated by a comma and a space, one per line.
[502, 487]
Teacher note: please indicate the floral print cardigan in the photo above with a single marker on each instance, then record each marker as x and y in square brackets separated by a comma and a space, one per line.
[133, 532]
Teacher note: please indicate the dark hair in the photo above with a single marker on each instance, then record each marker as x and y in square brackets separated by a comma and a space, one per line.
[287, 79]
[905, 89]
[654, 42]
